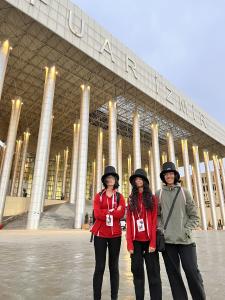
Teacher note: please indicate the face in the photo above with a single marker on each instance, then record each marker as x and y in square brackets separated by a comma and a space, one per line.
[139, 182]
[169, 177]
[110, 180]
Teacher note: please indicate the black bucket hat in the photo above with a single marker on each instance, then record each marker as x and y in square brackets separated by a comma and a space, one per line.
[110, 170]
[169, 167]
[139, 173]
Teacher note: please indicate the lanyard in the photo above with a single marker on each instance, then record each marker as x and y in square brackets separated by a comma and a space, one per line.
[139, 216]
[108, 201]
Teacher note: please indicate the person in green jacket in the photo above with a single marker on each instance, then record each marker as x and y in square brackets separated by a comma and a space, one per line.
[179, 245]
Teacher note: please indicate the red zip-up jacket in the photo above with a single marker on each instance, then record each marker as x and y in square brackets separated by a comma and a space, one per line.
[150, 221]
[100, 228]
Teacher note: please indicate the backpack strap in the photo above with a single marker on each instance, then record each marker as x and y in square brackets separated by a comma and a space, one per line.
[100, 194]
[171, 209]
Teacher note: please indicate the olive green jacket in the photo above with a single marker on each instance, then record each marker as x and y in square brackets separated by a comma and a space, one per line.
[184, 217]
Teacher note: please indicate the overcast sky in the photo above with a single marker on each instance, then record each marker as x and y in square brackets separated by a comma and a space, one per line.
[182, 40]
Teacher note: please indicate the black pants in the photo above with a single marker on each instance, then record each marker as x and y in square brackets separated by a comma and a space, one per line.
[141, 253]
[101, 245]
[188, 257]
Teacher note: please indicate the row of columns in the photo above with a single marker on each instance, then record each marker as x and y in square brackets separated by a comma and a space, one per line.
[7, 164]
[16, 162]
[57, 163]
[219, 187]
[80, 154]
[152, 164]
[20, 145]
[26, 137]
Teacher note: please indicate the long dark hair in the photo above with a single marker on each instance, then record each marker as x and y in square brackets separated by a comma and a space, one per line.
[147, 196]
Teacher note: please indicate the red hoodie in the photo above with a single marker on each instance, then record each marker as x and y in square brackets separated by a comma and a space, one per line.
[150, 220]
[101, 209]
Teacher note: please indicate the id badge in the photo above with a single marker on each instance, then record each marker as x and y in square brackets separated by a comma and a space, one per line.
[109, 220]
[140, 225]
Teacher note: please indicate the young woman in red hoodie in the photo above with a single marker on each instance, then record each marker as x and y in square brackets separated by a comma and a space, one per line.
[109, 208]
[141, 236]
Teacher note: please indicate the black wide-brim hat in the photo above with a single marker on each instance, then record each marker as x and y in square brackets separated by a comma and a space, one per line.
[139, 173]
[109, 170]
[169, 167]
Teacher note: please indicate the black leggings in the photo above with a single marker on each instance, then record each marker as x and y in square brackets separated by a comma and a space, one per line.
[188, 257]
[141, 253]
[101, 245]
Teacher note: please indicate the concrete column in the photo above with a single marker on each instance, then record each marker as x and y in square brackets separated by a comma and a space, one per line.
[195, 186]
[66, 153]
[83, 155]
[120, 161]
[210, 189]
[99, 160]
[4, 55]
[151, 171]
[10, 145]
[219, 187]
[103, 163]
[46, 166]
[129, 168]
[16, 162]
[57, 163]
[164, 157]
[200, 188]
[75, 155]
[146, 170]
[177, 163]
[42, 153]
[184, 146]
[26, 136]
[2, 158]
[112, 134]
[222, 173]
[93, 171]
[170, 145]
[136, 141]
[155, 153]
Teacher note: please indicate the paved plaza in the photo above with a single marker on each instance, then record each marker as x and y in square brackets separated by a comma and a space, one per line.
[59, 265]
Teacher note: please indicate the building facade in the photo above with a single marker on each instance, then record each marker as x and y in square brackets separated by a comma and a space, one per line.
[74, 99]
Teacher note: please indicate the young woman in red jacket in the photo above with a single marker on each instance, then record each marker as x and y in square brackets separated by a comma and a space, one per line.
[141, 236]
[109, 208]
